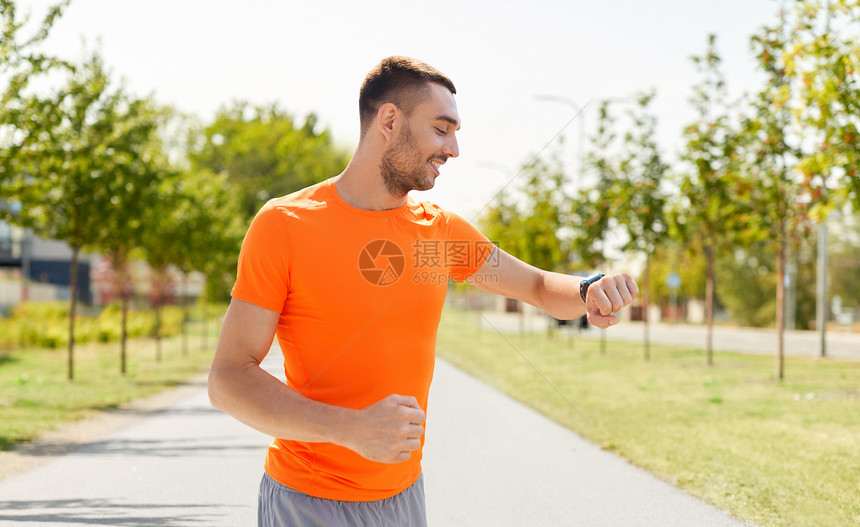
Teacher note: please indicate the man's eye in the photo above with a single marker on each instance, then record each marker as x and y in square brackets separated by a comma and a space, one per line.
[440, 131]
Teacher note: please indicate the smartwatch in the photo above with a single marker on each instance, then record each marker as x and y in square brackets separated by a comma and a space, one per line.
[583, 286]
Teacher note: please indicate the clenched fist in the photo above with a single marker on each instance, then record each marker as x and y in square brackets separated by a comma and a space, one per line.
[608, 295]
[387, 431]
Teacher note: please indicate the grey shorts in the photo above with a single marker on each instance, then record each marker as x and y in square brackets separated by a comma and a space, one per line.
[281, 506]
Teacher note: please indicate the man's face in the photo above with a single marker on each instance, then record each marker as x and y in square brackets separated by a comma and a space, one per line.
[426, 140]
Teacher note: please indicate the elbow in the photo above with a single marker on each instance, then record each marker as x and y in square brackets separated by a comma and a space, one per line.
[226, 384]
[215, 389]
[541, 296]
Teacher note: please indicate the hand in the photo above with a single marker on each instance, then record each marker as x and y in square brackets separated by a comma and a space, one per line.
[389, 430]
[608, 295]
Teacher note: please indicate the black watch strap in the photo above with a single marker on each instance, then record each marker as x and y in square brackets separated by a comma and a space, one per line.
[583, 286]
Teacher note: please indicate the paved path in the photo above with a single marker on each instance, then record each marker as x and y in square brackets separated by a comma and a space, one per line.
[183, 465]
[490, 462]
[842, 345]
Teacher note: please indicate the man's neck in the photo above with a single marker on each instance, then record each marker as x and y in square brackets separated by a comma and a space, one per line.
[361, 185]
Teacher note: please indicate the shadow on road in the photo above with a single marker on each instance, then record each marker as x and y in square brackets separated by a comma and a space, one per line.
[107, 512]
[147, 447]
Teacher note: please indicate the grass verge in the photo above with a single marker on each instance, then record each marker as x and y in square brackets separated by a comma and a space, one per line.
[36, 396]
[774, 454]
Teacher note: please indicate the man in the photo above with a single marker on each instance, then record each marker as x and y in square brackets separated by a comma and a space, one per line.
[351, 275]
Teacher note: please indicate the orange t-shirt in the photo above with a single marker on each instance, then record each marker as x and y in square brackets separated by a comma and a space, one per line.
[360, 295]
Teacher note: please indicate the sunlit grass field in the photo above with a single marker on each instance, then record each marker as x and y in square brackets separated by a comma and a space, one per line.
[770, 453]
[36, 395]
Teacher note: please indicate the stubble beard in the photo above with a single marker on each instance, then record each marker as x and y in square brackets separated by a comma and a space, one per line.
[403, 168]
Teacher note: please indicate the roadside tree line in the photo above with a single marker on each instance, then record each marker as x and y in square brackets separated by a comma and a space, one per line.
[740, 205]
[84, 161]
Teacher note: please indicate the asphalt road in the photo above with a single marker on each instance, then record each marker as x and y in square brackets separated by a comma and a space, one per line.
[488, 461]
[840, 345]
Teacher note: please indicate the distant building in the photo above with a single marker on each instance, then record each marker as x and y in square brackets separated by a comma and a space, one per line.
[46, 264]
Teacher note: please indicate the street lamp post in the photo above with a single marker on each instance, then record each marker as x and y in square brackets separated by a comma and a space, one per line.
[821, 290]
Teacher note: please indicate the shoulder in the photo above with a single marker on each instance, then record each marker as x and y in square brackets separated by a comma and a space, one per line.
[292, 206]
[431, 213]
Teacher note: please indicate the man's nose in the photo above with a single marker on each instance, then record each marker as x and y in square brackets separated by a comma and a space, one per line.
[451, 149]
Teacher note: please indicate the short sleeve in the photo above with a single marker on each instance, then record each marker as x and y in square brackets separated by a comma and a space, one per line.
[263, 275]
[466, 249]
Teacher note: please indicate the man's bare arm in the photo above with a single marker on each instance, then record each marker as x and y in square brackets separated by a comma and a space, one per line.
[555, 293]
[387, 431]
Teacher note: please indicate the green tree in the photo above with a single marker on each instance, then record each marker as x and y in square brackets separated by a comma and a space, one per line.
[590, 213]
[530, 225]
[688, 263]
[195, 224]
[128, 189]
[769, 162]
[265, 153]
[822, 58]
[50, 169]
[590, 218]
[746, 284]
[638, 195]
[20, 58]
[500, 223]
[845, 261]
[160, 240]
[72, 167]
[20, 63]
[708, 212]
[747, 281]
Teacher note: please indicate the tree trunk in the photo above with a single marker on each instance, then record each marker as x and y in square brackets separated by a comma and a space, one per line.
[780, 303]
[710, 285]
[25, 267]
[158, 332]
[185, 318]
[123, 334]
[205, 317]
[205, 337]
[73, 304]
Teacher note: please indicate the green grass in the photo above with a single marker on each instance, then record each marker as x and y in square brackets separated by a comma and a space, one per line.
[36, 395]
[782, 454]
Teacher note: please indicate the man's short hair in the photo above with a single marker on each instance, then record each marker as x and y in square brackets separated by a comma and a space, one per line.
[402, 81]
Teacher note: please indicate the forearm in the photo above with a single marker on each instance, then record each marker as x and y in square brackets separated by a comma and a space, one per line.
[558, 295]
[387, 431]
[261, 401]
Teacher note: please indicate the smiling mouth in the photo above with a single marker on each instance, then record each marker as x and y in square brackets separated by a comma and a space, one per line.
[436, 165]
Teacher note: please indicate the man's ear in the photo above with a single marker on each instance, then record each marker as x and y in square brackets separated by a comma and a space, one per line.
[385, 118]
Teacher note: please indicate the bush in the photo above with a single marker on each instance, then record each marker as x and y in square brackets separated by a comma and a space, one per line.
[171, 320]
[41, 311]
[46, 325]
[746, 286]
[8, 335]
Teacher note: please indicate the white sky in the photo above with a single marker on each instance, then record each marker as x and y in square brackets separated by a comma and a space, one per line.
[311, 56]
